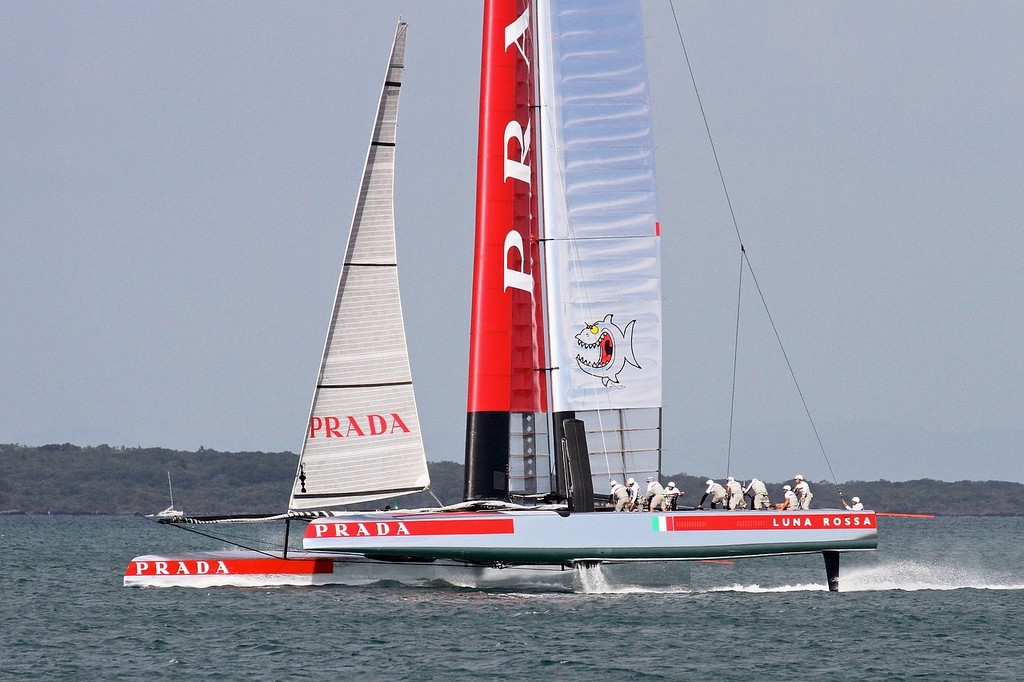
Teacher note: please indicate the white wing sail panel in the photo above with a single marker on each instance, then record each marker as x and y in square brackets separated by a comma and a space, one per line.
[603, 258]
[363, 439]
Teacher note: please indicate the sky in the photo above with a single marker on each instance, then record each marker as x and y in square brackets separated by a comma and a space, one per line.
[177, 181]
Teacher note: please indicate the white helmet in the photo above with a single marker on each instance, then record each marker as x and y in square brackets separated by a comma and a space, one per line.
[709, 482]
[786, 487]
[630, 481]
[731, 478]
[856, 500]
[614, 483]
[798, 477]
[650, 478]
[671, 484]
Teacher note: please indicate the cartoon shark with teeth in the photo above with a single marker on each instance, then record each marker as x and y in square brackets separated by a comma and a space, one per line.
[605, 349]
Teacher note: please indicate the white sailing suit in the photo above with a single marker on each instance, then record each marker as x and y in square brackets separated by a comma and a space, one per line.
[856, 506]
[791, 500]
[620, 496]
[803, 492]
[655, 493]
[634, 496]
[759, 492]
[735, 491]
[717, 493]
[671, 494]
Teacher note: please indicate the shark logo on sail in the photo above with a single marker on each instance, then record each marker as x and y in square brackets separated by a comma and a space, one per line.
[357, 426]
[605, 350]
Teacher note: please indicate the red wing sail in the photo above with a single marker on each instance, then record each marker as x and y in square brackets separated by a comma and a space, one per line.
[506, 385]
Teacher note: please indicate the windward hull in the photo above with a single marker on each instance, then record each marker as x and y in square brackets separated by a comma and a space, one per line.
[243, 568]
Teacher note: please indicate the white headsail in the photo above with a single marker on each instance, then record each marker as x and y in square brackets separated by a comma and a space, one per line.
[363, 439]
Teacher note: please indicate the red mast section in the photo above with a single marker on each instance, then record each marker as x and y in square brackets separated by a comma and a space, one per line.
[506, 336]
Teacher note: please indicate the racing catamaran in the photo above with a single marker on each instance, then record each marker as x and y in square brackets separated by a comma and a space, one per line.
[565, 354]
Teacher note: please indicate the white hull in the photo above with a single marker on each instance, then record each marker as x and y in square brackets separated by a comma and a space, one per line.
[169, 513]
[520, 549]
[245, 568]
[548, 537]
[205, 569]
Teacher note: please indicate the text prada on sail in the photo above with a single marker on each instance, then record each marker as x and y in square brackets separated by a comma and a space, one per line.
[362, 425]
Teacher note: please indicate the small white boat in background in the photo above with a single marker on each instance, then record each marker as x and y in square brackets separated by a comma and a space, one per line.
[170, 512]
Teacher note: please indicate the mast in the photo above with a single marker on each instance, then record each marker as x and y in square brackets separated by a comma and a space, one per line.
[565, 194]
[506, 386]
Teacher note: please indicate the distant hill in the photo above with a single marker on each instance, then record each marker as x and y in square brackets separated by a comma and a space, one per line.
[69, 479]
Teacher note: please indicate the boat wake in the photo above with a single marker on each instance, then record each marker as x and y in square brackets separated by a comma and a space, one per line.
[758, 589]
[906, 576]
[912, 576]
[672, 577]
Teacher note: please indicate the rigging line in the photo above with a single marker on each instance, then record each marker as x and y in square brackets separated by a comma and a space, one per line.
[707, 126]
[739, 237]
[789, 365]
[735, 363]
[439, 502]
[233, 539]
[225, 539]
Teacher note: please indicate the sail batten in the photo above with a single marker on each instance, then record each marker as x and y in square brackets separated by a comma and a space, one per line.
[363, 439]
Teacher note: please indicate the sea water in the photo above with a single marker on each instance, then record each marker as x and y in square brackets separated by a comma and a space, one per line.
[940, 599]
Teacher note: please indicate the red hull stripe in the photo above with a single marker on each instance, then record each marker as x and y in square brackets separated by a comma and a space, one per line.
[770, 522]
[254, 566]
[464, 527]
[425, 527]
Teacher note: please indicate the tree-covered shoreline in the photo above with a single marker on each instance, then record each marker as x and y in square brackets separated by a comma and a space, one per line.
[102, 479]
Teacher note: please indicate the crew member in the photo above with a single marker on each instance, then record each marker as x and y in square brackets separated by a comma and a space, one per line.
[791, 501]
[672, 493]
[857, 506]
[758, 494]
[735, 492]
[655, 494]
[803, 492]
[619, 496]
[716, 492]
[633, 488]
